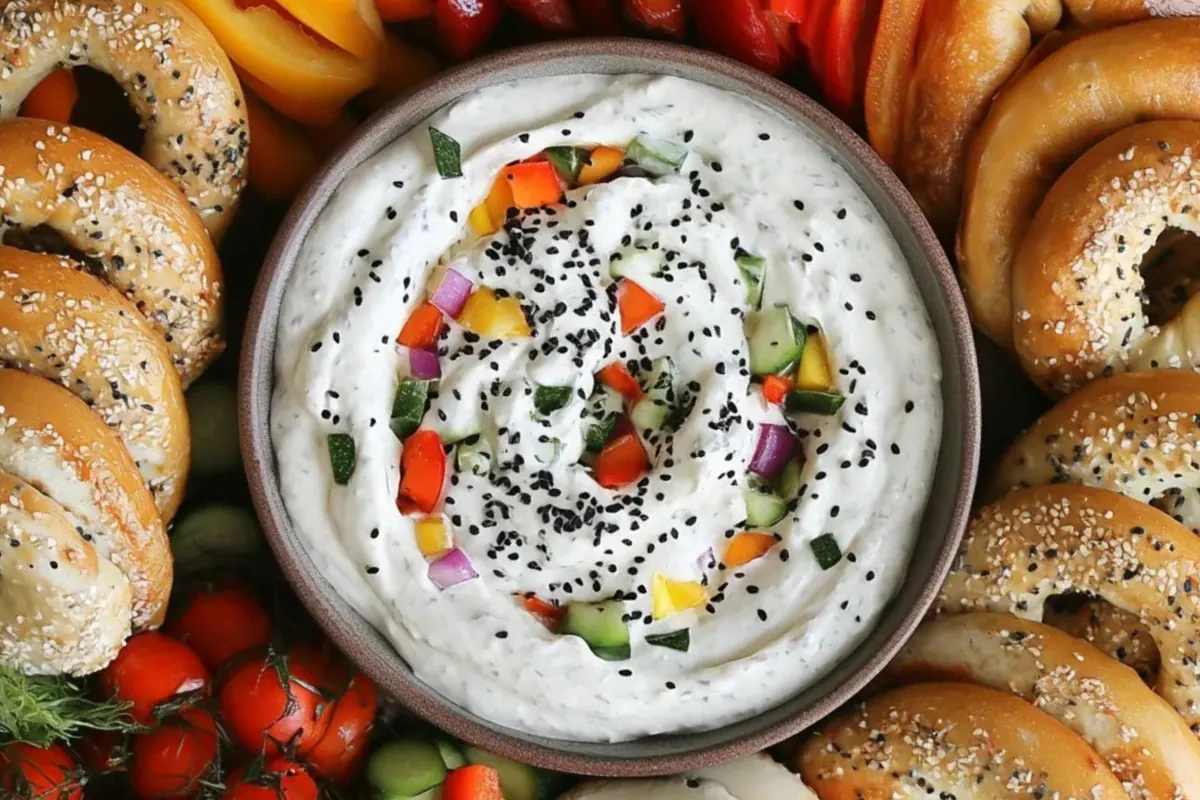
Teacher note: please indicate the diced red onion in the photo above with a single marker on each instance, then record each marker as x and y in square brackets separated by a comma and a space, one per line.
[424, 364]
[452, 293]
[775, 446]
[452, 569]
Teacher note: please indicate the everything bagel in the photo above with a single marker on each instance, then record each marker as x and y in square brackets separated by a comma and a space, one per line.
[128, 220]
[174, 73]
[1035, 543]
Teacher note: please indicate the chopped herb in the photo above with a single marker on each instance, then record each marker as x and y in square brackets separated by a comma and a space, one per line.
[341, 457]
[446, 154]
[551, 398]
[568, 161]
[826, 550]
[679, 640]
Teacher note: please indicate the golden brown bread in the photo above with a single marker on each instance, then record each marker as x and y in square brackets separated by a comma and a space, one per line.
[174, 73]
[1110, 630]
[126, 218]
[888, 75]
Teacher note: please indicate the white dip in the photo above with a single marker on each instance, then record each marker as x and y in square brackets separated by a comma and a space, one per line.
[768, 629]
[754, 778]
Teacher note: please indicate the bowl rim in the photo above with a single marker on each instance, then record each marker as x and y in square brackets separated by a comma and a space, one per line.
[256, 378]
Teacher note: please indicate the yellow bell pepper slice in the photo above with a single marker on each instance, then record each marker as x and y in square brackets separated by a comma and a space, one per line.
[481, 221]
[745, 547]
[432, 537]
[602, 162]
[295, 108]
[281, 159]
[493, 317]
[814, 373]
[352, 25]
[669, 596]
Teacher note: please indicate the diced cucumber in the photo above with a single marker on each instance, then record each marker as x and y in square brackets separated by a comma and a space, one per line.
[754, 274]
[634, 262]
[519, 781]
[567, 161]
[343, 457]
[650, 414]
[657, 156]
[806, 401]
[548, 399]
[775, 342]
[763, 507]
[788, 484]
[215, 536]
[405, 767]
[679, 640]
[602, 626]
[826, 550]
[212, 416]
[474, 455]
[660, 381]
[548, 449]
[452, 757]
[408, 407]
[600, 416]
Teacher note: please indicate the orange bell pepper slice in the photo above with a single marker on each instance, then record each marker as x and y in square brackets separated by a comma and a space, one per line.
[423, 470]
[549, 614]
[294, 108]
[616, 377]
[621, 462]
[403, 10]
[745, 547]
[636, 306]
[403, 69]
[53, 99]
[279, 53]
[533, 184]
[281, 159]
[775, 387]
[423, 327]
[472, 782]
[352, 25]
[602, 162]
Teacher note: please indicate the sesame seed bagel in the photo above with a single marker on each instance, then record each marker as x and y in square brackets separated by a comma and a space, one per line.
[1041, 122]
[63, 608]
[952, 740]
[1112, 631]
[51, 440]
[1048, 540]
[126, 218]
[1077, 282]
[1146, 744]
[63, 324]
[174, 73]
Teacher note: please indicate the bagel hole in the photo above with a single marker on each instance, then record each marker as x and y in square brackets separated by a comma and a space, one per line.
[103, 108]
[1112, 630]
[45, 239]
[1171, 273]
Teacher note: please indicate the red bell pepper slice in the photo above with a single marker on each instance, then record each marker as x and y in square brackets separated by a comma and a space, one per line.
[553, 15]
[636, 306]
[784, 32]
[423, 327]
[616, 377]
[549, 614]
[847, 51]
[533, 184]
[739, 29]
[464, 26]
[775, 387]
[658, 15]
[403, 10]
[472, 782]
[621, 462]
[791, 10]
[423, 470]
[598, 17]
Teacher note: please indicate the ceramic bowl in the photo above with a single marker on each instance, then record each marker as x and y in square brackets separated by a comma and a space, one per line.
[944, 519]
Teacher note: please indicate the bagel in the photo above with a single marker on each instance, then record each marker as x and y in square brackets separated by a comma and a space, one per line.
[176, 76]
[52, 441]
[127, 220]
[1146, 744]
[1035, 543]
[750, 778]
[1108, 13]
[889, 75]
[1114, 632]
[952, 740]
[969, 48]
[63, 324]
[63, 608]
[1090, 88]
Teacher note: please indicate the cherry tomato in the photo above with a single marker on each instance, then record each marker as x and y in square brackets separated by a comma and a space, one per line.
[553, 15]
[342, 748]
[738, 29]
[270, 705]
[169, 761]
[150, 669]
[464, 26]
[221, 622]
[103, 751]
[45, 773]
[279, 779]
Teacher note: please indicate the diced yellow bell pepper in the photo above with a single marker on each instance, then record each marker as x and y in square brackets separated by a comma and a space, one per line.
[481, 221]
[499, 201]
[670, 596]
[602, 162]
[432, 537]
[813, 373]
[745, 547]
[493, 317]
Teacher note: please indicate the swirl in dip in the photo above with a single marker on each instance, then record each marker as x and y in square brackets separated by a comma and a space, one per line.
[706, 580]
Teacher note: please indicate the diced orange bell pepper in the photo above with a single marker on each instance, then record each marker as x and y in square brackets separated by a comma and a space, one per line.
[281, 160]
[533, 184]
[328, 138]
[472, 782]
[616, 377]
[282, 55]
[745, 547]
[499, 200]
[404, 68]
[774, 388]
[636, 306]
[423, 470]
[621, 462]
[549, 614]
[352, 25]
[53, 99]
[422, 328]
[602, 162]
[403, 10]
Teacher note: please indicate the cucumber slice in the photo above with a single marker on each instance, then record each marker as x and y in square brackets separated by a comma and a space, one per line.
[548, 399]
[600, 416]
[519, 781]
[212, 416]
[650, 414]
[826, 550]
[474, 455]
[806, 401]
[342, 457]
[775, 342]
[679, 640]
[657, 156]
[634, 262]
[660, 381]
[788, 484]
[408, 407]
[215, 536]
[452, 757]
[763, 507]
[754, 274]
[567, 161]
[405, 767]
[602, 626]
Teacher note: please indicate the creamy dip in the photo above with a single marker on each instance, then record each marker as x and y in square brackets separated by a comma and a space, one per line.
[540, 524]
[753, 778]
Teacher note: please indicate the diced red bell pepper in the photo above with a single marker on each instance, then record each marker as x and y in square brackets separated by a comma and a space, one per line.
[636, 306]
[472, 782]
[616, 377]
[847, 51]
[553, 15]
[739, 29]
[791, 10]
[775, 387]
[598, 17]
[464, 26]
[403, 10]
[658, 15]
[533, 184]
[549, 614]
[621, 462]
[423, 327]
[423, 469]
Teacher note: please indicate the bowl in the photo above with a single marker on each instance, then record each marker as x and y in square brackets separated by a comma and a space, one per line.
[945, 516]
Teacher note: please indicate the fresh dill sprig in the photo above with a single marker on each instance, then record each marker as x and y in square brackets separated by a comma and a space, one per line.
[42, 709]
